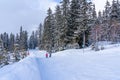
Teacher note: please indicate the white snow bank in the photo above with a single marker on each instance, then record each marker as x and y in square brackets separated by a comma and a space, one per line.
[70, 64]
[26, 69]
[75, 65]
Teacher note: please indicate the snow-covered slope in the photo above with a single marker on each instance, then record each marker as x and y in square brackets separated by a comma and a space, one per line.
[26, 69]
[66, 65]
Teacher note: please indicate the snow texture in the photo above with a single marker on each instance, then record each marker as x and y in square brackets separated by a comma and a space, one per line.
[70, 64]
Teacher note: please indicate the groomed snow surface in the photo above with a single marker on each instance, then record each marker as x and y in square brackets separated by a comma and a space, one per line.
[70, 64]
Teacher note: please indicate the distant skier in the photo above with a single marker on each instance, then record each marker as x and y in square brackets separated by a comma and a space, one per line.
[50, 54]
[46, 55]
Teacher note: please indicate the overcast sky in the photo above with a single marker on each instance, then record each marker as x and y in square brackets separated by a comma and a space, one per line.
[100, 4]
[28, 13]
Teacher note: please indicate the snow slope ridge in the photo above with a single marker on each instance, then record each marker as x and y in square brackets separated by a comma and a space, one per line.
[26, 69]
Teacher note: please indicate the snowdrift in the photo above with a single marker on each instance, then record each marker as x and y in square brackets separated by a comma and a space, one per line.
[26, 69]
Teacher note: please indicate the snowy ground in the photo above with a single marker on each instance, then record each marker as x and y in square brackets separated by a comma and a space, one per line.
[67, 65]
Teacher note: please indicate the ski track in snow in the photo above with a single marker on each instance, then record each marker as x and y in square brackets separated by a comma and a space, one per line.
[66, 65]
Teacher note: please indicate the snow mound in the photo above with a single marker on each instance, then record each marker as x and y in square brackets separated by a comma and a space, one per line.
[26, 69]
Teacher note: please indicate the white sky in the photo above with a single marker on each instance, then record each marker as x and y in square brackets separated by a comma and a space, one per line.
[28, 13]
[100, 4]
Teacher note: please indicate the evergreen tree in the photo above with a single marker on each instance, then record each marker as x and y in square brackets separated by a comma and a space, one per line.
[6, 41]
[32, 41]
[114, 19]
[73, 24]
[92, 20]
[12, 41]
[106, 23]
[48, 38]
[40, 36]
[84, 27]
[107, 10]
[58, 28]
[36, 39]
[17, 39]
[23, 40]
[118, 7]
[65, 10]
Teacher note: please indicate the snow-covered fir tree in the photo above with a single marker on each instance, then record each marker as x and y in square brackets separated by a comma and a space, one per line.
[73, 24]
[33, 42]
[65, 28]
[23, 39]
[40, 32]
[65, 6]
[106, 27]
[58, 28]
[48, 32]
[11, 42]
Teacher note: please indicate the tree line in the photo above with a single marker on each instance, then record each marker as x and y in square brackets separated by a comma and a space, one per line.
[75, 24]
[69, 27]
[8, 41]
[16, 47]
[22, 39]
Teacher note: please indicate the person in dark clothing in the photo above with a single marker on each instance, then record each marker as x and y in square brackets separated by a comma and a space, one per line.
[50, 54]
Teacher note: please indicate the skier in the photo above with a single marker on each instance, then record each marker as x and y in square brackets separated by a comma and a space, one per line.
[46, 55]
[50, 54]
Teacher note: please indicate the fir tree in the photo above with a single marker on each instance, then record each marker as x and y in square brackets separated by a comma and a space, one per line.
[12, 42]
[65, 10]
[32, 41]
[23, 39]
[40, 36]
[73, 24]
[48, 38]
[58, 28]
